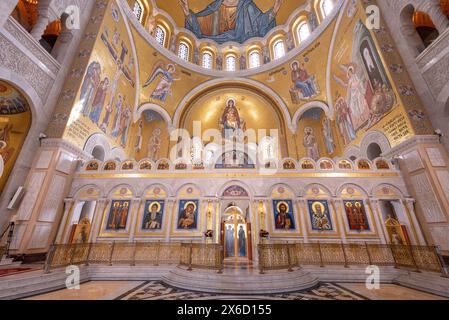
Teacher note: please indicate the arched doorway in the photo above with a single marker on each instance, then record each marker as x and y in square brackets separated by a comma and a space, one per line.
[236, 235]
[15, 122]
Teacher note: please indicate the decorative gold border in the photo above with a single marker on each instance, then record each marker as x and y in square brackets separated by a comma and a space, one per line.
[236, 174]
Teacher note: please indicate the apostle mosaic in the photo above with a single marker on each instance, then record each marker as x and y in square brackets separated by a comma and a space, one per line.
[153, 214]
[328, 135]
[310, 144]
[320, 215]
[356, 214]
[188, 214]
[118, 215]
[283, 215]
[230, 20]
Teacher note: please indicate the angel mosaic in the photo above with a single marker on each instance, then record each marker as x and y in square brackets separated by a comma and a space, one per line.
[166, 76]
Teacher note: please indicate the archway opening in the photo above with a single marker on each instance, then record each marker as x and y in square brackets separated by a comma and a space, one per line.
[316, 135]
[373, 151]
[425, 28]
[15, 122]
[98, 153]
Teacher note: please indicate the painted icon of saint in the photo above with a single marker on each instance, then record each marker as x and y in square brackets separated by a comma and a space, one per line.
[153, 216]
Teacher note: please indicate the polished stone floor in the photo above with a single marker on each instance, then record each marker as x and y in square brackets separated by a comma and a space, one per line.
[154, 290]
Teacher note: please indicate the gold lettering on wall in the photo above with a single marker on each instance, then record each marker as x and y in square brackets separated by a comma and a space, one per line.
[397, 129]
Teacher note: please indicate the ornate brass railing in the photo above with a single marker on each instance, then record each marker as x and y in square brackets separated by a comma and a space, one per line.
[276, 256]
[192, 255]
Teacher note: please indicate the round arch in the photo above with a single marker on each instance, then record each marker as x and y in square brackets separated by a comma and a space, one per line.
[371, 138]
[120, 186]
[351, 185]
[241, 184]
[318, 185]
[308, 106]
[249, 84]
[156, 108]
[38, 121]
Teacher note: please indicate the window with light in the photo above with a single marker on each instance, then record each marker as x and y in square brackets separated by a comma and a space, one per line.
[303, 31]
[279, 49]
[159, 35]
[138, 10]
[231, 63]
[183, 51]
[254, 59]
[207, 60]
[326, 7]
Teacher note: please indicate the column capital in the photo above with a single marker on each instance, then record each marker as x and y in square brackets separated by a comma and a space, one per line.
[69, 200]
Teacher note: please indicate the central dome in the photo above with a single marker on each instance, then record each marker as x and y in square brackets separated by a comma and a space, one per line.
[229, 20]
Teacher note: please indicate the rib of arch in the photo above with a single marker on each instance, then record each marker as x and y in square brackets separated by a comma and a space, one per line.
[308, 106]
[156, 108]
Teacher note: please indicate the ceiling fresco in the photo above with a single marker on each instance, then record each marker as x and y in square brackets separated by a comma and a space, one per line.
[230, 20]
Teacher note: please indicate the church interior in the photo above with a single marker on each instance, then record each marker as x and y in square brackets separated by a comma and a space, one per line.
[214, 149]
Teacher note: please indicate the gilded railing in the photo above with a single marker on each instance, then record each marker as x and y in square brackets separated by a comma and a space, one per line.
[198, 255]
[193, 255]
[288, 255]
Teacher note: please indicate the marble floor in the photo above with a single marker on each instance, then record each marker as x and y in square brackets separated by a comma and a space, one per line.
[155, 290]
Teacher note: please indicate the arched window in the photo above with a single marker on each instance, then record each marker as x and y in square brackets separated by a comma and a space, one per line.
[231, 63]
[160, 35]
[303, 31]
[207, 60]
[326, 7]
[138, 10]
[183, 51]
[254, 59]
[279, 49]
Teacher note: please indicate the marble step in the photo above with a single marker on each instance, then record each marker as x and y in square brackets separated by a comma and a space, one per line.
[425, 281]
[235, 281]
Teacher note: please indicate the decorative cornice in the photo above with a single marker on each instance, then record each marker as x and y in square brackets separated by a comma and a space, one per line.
[67, 146]
[409, 143]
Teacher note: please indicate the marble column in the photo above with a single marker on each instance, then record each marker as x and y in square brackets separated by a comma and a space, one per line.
[63, 43]
[170, 213]
[408, 30]
[102, 204]
[39, 28]
[302, 211]
[373, 207]
[136, 206]
[409, 204]
[338, 206]
[6, 8]
[61, 238]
